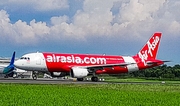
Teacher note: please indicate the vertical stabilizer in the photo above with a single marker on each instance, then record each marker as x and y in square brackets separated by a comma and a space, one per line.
[10, 67]
[12, 59]
[150, 49]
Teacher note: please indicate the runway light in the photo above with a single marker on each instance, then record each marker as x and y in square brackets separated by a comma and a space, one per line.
[163, 82]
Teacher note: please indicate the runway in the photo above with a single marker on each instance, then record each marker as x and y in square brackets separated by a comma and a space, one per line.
[47, 81]
[65, 81]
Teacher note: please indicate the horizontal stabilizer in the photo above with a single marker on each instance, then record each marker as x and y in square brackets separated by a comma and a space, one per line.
[155, 62]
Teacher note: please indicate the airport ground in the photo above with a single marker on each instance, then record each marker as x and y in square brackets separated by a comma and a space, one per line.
[69, 80]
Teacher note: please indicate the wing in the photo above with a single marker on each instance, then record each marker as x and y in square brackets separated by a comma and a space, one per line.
[105, 65]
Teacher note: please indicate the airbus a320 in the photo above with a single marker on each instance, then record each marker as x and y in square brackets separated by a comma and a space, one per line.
[81, 65]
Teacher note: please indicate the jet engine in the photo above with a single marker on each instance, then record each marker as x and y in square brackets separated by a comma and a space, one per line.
[78, 72]
[58, 74]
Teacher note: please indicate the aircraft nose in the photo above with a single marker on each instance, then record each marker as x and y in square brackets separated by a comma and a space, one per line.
[17, 64]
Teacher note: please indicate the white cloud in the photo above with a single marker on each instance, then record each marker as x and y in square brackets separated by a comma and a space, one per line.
[20, 32]
[174, 28]
[5, 26]
[48, 5]
[24, 32]
[39, 28]
[129, 18]
[59, 20]
[36, 5]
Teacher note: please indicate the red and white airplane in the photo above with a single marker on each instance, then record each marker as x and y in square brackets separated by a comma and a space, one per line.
[82, 65]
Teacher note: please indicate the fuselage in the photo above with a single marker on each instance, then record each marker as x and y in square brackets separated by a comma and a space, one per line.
[57, 62]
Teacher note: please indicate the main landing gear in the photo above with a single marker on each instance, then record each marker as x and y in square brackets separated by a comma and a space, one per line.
[93, 79]
[80, 79]
[34, 75]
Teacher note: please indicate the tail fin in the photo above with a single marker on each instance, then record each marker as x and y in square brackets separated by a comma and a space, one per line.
[149, 51]
[12, 59]
[10, 67]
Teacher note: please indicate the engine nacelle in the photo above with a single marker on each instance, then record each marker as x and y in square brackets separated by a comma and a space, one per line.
[58, 74]
[78, 72]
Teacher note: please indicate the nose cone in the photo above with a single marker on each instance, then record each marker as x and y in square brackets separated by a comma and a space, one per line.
[18, 64]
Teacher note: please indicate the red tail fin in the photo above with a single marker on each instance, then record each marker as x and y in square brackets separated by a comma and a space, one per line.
[149, 51]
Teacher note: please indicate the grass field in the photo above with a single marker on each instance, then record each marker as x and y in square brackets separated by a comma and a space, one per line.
[90, 95]
[142, 80]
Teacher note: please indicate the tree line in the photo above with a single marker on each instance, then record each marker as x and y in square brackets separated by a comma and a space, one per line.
[159, 72]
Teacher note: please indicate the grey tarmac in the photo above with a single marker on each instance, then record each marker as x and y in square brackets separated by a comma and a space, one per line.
[64, 81]
[47, 81]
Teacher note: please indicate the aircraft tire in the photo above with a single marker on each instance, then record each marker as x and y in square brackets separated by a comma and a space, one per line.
[80, 79]
[5, 76]
[15, 75]
[94, 79]
[34, 77]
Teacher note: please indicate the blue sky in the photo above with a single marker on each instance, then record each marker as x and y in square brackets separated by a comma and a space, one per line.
[114, 27]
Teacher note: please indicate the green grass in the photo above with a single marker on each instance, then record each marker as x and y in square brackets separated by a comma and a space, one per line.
[141, 80]
[89, 95]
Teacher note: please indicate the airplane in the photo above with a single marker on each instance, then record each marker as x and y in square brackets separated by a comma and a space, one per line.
[8, 69]
[82, 65]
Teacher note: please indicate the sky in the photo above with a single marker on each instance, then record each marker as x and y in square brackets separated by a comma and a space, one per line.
[112, 27]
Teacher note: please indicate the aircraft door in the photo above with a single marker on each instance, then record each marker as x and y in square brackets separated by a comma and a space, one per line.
[38, 61]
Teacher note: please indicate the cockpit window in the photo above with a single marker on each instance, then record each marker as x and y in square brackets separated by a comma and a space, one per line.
[25, 58]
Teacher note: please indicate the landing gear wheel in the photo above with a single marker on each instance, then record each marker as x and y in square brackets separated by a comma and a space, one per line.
[94, 79]
[15, 75]
[22, 76]
[80, 79]
[34, 75]
[6, 76]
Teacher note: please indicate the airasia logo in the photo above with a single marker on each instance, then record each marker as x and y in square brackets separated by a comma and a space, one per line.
[150, 48]
[75, 59]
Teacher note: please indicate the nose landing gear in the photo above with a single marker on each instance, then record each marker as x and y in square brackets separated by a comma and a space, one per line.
[34, 75]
